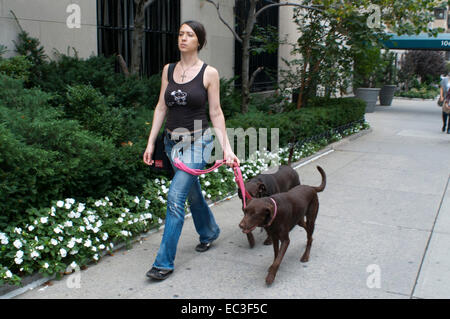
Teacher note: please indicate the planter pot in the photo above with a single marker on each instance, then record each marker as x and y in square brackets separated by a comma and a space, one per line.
[370, 96]
[387, 94]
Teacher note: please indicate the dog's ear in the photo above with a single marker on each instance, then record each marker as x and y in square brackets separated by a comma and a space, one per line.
[261, 188]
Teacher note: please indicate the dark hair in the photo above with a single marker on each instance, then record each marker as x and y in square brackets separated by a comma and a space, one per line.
[199, 31]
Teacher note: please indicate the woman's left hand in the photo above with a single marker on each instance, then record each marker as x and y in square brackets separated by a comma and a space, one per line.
[231, 158]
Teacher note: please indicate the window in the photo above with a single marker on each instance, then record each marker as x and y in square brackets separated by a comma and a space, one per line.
[267, 79]
[115, 23]
[439, 13]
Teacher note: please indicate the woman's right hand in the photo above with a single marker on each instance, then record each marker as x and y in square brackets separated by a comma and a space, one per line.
[148, 154]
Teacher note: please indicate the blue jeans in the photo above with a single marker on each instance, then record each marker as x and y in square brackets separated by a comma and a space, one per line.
[186, 186]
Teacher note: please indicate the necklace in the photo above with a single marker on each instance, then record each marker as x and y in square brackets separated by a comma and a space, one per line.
[184, 71]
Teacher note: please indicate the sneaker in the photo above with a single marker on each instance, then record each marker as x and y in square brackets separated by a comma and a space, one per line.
[202, 247]
[159, 274]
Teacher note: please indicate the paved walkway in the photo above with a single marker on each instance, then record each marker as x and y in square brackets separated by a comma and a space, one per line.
[383, 229]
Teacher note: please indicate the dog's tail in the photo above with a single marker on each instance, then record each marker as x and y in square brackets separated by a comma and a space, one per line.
[324, 180]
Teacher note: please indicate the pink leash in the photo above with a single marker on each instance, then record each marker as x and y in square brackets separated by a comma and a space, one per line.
[237, 174]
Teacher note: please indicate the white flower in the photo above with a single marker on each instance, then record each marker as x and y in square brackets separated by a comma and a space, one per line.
[71, 244]
[98, 203]
[91, 218]
[81, 207]
[101, 246]
[99, 223]
[136, 200]
[63, 252]
[8, 274]
[96, 257]
[54, 242]
[57, 230]
[19, 254]
[207, 183]
[120, 219]
[44, 220]
[209, 195]
[105, 236]
[160, 220]
[147, 204]
[60, 203]
[73, 265]
[82, 229]
[87, 243]
[68, 206]
[41, 247]
[157, 181]
[204, 193]
[68, 224]
[94, 248]
[30, 228]
[4, 239]
[124, 232]
[18, 230]
[45, 265]
[34, 254]
[95, 230]
[203, 176]
[17, 243]
[18, 261]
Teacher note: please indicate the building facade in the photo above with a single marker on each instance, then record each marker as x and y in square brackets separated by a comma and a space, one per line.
[92, 27]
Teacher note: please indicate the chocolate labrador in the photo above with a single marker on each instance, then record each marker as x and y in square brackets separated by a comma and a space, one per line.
[279, 214]
[264, 185]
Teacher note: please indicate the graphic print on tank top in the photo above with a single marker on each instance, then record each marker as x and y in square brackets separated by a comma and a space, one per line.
[179, 98]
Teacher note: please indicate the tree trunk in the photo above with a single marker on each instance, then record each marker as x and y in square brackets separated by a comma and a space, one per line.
[138, 34]
[251, 20]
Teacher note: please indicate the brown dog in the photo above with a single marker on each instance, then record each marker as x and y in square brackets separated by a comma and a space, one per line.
[279, 214]
[264, 185]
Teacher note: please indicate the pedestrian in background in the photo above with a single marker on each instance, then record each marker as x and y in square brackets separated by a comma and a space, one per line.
[445, 86]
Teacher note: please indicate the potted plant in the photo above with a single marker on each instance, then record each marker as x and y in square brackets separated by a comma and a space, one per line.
[388, 77]
[367, 62]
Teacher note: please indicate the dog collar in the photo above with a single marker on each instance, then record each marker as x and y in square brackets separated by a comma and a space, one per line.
[274, 213]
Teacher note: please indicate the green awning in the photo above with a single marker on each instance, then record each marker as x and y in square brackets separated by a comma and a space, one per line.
[419, 42]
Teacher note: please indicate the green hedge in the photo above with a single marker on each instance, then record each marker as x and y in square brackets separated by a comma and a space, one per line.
[320, 116]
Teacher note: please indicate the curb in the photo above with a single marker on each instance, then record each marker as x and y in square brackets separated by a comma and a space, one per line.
[37, 280]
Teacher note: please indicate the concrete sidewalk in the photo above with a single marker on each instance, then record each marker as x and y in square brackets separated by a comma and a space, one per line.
[383, 229]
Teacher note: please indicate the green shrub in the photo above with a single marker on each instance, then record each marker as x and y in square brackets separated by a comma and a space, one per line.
[96, 113]
[321, 116]
[45, 156]
[17, 67]
[98, 72]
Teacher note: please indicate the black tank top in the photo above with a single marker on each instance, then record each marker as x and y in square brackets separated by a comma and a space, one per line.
[186, 102]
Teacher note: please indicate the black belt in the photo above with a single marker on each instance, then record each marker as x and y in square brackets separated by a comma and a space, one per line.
[180, 136]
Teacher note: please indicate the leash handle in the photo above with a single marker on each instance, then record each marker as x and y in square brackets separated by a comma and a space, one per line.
[193, 171]
[237, 173]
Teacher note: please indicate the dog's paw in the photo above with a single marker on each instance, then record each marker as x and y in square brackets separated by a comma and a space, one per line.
[268, 241]
[270, 278]
[304, 259]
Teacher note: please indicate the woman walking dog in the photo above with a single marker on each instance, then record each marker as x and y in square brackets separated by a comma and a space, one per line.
[185, 88]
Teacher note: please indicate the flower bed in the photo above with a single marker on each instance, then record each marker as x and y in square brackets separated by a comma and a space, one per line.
[70, 234]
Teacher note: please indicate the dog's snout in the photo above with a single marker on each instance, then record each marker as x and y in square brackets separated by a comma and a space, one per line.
[242, 224]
